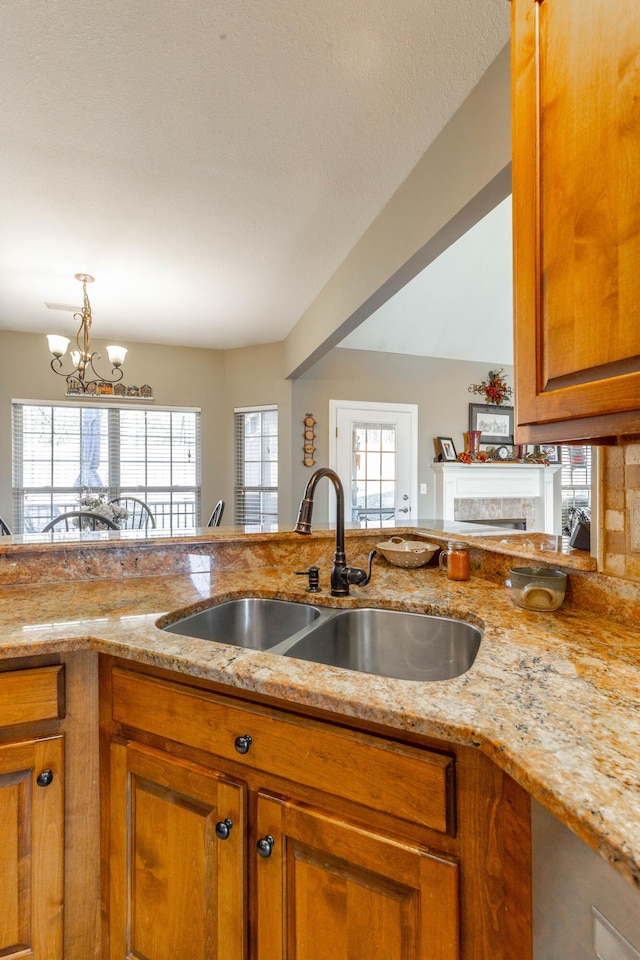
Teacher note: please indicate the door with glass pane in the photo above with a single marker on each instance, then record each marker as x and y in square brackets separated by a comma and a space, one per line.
[375, 455]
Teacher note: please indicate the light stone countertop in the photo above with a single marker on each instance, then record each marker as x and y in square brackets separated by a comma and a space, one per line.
[554, 699]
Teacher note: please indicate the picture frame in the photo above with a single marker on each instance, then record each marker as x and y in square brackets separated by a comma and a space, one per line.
[447, 448]
[550, 452]
[494, 422]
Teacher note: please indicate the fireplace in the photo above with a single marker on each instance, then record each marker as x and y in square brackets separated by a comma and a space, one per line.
[501, 494]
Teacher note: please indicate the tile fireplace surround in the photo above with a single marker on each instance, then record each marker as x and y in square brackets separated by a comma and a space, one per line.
[495, 491]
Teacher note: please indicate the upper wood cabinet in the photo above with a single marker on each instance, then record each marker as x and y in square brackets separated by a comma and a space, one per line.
[576, 190]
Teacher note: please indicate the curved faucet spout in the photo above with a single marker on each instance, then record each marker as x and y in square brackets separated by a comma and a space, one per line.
[341, 574]
[303, 523]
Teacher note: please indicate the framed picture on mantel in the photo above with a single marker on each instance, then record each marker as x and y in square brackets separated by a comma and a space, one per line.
[447, 449]
[494, 422]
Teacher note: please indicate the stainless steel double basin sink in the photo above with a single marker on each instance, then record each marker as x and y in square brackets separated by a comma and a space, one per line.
[387, 643]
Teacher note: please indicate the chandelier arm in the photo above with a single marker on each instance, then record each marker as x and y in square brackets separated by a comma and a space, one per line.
[117, 372]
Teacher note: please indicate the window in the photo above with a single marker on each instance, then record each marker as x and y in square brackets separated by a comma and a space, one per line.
[374, 469]
[576, 486]
[60, 451]
[256, 467]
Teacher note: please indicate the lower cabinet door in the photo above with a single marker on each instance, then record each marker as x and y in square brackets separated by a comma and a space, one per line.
[32, 849]
[328, 890]
[177, 854]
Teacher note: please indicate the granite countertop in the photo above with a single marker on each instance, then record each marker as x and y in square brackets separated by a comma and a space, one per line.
[538, 547]
[554, 699]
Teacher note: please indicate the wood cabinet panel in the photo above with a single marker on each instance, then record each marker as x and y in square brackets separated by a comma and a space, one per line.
[340, 879]
[31, 850]
[576, 177]
[27, 696]
[332, 890]
[416, 784]
[176, 888]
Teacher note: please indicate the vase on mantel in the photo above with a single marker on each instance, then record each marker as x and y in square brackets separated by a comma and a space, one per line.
[472, 441]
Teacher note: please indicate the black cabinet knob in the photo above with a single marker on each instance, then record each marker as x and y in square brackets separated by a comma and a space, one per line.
[44, 779]
[222, 829]
[243, 743]
[265, 846]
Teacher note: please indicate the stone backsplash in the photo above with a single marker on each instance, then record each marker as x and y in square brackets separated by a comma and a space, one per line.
[620, 511]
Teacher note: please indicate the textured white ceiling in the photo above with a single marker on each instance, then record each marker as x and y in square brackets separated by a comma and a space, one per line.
[212, 162]
[459, 308]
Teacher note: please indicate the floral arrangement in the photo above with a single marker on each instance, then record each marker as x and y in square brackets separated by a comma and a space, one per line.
[98, 502]
[495, 389]
[468, 457]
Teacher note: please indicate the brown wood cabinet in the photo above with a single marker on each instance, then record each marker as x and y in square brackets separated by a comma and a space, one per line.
[31, 816]
[177, 855]
[49, 831]
[327, 888]
[576, 180]
[238, 829]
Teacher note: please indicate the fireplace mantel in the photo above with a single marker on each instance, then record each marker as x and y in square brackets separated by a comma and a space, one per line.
[480, 481]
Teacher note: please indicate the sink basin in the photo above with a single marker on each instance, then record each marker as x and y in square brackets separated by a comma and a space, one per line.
[389, 643]
[248, 622]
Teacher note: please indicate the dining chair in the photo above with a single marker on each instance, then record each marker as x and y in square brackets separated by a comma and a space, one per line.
[80, 520]
[4, 529]
[216, 516]
[140, 516]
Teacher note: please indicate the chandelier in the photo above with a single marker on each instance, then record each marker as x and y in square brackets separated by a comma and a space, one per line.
[83, 358]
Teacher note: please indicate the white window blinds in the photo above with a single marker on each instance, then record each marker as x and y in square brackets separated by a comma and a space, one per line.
[256, 466]
[576, 486]
[59, 451]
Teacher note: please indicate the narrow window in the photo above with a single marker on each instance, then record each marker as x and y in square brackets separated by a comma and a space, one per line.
[256, 466]
[576, 486]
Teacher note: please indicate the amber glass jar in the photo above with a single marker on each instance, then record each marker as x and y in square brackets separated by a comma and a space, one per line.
[455, 560]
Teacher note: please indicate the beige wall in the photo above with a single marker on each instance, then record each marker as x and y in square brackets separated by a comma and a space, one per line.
[180, 376]
[438, 387]
[463, 175]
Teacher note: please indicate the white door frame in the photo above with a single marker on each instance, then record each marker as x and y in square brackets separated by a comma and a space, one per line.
[373, 406]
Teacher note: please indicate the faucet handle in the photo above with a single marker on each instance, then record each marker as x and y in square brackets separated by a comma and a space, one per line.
[358, 576]
[314, 578]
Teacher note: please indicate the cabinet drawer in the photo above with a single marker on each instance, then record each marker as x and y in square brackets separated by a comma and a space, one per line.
[408, 782]
[30, 695]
